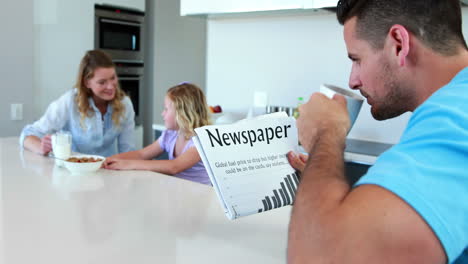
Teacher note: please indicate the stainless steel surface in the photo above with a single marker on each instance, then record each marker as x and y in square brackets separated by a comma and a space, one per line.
[131, 78]
[366, 147]
[121, 22]
[277, 108]
[362, 151]
[125, 68]
[290, 111]
[122, 16]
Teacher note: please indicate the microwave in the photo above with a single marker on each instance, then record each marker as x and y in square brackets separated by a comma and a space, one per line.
[119, 32]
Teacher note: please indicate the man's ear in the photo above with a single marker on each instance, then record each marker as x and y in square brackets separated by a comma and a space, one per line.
[399, 41]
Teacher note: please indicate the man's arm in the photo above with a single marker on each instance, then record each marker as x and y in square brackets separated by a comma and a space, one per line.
[331, 223]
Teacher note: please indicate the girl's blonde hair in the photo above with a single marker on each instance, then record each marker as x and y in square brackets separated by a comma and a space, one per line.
[191, 109]
[92, 60]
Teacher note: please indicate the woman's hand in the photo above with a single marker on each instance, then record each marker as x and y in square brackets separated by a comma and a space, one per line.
[298, 162]
[46, 145]
[118, 164]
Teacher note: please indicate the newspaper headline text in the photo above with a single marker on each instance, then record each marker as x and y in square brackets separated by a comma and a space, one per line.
[250, 137]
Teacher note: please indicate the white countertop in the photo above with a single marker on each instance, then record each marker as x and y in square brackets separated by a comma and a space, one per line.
[49, 216]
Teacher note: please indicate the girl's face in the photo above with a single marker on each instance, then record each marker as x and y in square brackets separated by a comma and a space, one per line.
[169, 114]
[103, 84]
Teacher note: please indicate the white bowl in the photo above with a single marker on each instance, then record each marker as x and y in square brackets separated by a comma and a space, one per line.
[84, 167]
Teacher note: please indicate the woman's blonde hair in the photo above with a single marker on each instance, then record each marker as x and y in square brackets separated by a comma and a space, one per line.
[92, 60]
[190, 106]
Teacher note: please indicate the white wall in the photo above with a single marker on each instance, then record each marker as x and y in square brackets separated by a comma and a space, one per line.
[286, 56]
[178, 50]
[16, 63]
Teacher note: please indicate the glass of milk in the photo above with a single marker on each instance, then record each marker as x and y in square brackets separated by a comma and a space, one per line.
[61, 146]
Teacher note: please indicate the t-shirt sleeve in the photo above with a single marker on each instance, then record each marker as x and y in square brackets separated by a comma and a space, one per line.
[190, 144]
[428, 169]
[163, 140]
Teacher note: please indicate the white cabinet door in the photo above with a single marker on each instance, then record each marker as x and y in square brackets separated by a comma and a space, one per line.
[319, 3]
[259, 5]
[199, 7]
[196, 7]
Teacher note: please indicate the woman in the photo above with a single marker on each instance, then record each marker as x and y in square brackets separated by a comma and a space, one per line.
[96, 112]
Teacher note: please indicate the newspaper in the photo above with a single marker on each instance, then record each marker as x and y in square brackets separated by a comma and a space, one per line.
[247, 163]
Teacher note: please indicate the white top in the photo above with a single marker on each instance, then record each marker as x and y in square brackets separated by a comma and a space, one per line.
[49, 216]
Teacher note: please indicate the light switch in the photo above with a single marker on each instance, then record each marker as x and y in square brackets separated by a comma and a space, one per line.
[16, 111]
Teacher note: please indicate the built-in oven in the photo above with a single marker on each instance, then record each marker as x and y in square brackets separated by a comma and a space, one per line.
[130, 77]
[119, 32]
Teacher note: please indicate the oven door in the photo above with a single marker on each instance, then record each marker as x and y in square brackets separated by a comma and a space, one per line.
[131, 85]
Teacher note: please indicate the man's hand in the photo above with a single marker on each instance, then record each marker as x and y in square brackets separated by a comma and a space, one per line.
[297, 161]
[322, 115]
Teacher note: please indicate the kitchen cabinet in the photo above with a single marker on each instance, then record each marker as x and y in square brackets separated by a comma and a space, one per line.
[204, 7]
[319, 3]
[197, 7]
[207, 7]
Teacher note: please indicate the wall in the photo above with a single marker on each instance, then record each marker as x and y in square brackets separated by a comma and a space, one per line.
[287, 56]
[179, 50]
[16, 63]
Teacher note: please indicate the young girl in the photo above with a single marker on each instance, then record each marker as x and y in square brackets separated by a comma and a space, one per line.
[185, 109]
[97, 113]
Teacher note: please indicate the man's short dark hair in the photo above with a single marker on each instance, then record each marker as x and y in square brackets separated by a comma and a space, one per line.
[437, 23]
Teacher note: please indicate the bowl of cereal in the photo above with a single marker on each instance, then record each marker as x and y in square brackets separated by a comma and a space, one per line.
[81, 164]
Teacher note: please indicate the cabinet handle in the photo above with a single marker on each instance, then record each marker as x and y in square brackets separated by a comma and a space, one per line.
[120, 22]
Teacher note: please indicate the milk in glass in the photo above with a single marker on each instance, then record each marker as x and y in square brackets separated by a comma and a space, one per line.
[61, 146]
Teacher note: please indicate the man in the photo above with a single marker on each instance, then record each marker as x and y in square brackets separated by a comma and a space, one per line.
[412, 205]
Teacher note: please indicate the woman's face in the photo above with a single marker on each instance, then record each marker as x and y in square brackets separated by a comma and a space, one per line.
[169, 114]
[103, 84]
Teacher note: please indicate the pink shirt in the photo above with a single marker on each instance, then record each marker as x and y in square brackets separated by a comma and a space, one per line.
[197, 173]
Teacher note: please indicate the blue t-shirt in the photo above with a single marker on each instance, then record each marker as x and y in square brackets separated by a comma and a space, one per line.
[428, 169]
